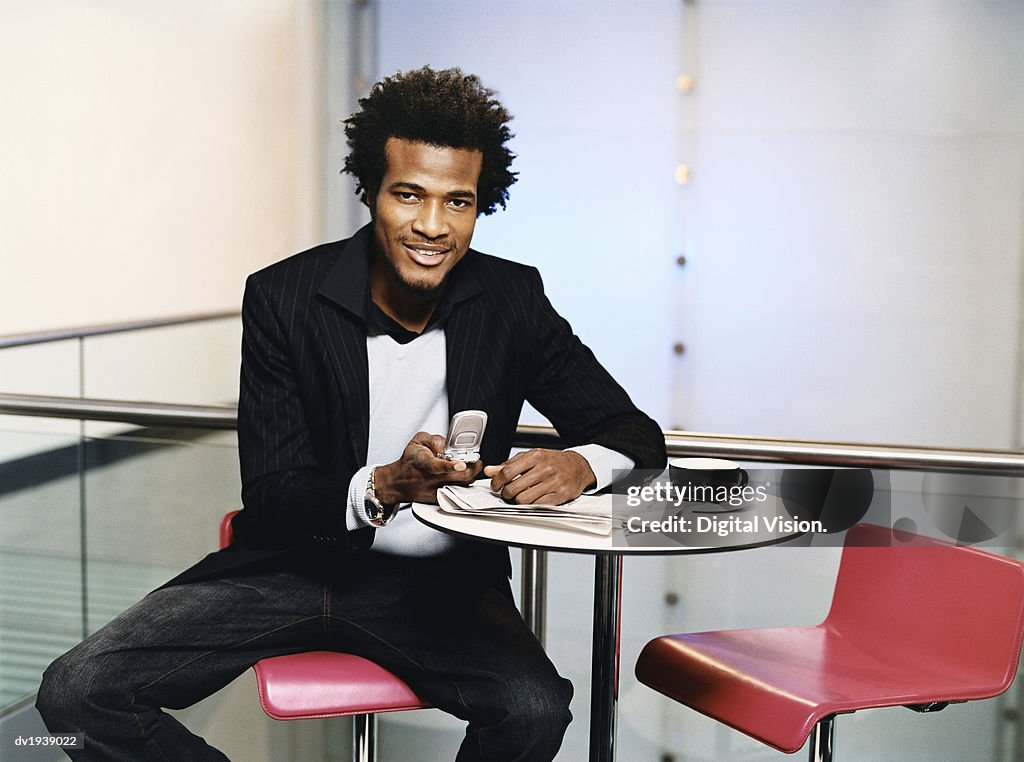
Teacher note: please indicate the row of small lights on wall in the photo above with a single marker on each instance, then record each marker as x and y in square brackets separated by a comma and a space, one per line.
[685, 83]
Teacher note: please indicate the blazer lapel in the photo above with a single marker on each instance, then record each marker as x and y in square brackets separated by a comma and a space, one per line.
[466, 342]
[340, 314]
[345, 346]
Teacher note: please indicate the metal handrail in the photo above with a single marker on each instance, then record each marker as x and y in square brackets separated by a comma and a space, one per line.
[121, 411]
[848, 454]
[101, 329]
[678, 443]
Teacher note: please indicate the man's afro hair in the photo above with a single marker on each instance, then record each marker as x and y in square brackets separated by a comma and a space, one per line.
[443, 108]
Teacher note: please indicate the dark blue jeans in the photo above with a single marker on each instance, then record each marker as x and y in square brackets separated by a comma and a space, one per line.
[451, 632]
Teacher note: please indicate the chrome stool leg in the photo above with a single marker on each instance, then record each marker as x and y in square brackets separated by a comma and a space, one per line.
[822, 740]
[364, 738]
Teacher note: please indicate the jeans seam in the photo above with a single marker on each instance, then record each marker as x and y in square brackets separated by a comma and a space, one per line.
[135, 715]
[404, 655]
[203, 655]
[326, 609]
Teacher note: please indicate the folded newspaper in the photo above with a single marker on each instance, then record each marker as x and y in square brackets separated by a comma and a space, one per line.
[587, 513]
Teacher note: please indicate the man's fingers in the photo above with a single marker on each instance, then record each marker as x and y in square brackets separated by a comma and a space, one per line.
[541, 476]
[520, 489]
[420, 455]
[541, 494]
[425, 450]
[468, 473]
[433, 442]
[423, 438]
[417, 474]
[540, 472]
[510, 469]
[431, 464]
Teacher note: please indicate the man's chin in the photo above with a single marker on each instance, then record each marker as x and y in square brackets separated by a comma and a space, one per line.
[420, 290]
[418, 287]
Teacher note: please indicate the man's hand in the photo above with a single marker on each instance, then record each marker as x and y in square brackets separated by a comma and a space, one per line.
[415, 477]
[542, 476]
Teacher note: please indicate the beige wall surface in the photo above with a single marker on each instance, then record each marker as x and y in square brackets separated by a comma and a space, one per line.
[154, 154]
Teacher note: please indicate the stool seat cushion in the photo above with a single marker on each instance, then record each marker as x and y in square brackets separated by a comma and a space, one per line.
[775, 684]
[913, 621]
[329, 684]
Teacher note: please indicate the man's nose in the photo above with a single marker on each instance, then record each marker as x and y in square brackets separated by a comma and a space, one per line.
[431, 221]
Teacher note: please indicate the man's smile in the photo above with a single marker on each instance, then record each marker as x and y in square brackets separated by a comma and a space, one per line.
[427, 254]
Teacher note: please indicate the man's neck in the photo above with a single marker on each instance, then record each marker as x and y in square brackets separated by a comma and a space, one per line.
[408, 310]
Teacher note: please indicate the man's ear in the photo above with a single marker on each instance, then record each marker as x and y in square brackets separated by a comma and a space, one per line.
[370, 200]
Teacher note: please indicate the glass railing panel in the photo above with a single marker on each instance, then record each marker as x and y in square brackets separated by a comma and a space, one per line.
[50, 368]
[41, 570]
[89, 526]
[790, 585]
[193, 363]
[41, 369]
[154, 499]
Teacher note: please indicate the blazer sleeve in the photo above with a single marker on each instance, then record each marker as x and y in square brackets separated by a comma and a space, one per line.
[580, 398]
[289, 497]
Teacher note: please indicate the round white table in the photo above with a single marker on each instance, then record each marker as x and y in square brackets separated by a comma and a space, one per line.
[608, 551]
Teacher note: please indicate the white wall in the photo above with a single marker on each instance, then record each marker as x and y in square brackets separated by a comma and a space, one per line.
[155, 153]
[855, 222]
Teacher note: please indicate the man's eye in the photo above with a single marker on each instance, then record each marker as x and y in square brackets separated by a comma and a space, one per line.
[459, 203]
[406, 196]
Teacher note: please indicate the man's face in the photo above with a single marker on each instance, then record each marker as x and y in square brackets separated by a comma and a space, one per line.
[423, 216]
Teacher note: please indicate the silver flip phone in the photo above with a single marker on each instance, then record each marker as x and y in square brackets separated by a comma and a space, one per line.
[465, 435]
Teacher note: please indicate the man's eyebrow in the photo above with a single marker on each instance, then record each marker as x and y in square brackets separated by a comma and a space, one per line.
[403, 185]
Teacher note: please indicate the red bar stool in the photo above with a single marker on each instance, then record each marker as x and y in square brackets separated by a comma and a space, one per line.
[320, 684]
[914, 622]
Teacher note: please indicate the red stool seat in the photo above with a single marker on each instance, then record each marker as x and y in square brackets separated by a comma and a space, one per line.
[317, 684]
[329, 684]
[914, 622]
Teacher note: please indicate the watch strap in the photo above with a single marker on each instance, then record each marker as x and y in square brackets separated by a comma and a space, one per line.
[377, 513]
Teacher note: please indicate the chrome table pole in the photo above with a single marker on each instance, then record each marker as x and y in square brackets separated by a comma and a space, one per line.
[604, 686]
[533, 591]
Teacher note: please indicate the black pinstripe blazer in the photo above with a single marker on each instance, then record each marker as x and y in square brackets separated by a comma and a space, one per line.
[303, 417]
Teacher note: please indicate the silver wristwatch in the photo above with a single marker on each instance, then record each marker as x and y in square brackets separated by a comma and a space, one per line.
[377, 513]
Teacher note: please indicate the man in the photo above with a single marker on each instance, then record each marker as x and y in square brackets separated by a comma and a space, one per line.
[349, 349]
